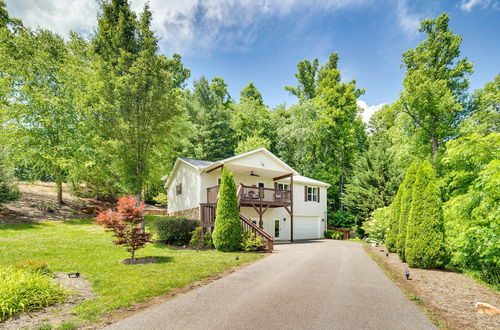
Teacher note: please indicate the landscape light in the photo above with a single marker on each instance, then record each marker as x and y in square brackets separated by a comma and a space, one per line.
[387, 253]
[237, 258]
[407, 274]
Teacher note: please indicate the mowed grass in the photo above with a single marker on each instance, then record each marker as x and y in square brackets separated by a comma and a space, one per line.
[80, 246]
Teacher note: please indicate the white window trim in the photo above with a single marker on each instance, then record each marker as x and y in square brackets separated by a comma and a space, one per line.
[312, 194]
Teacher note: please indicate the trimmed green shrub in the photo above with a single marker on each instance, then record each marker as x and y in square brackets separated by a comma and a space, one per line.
[406, 198]
[425, 241]
[250, 242]
[201, 240]
[393, 225]
[24, 290]
[227, 234]
[333, 234]
[377, 227]
[175, 230]
[161, 200]
[341, 219]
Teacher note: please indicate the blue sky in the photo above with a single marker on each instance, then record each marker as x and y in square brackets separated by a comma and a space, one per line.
[262, 40]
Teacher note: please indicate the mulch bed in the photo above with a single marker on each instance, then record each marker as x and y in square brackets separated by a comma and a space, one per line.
[137, 261]
[448, 296]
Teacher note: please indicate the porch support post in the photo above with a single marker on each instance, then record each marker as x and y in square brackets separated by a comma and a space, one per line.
[291, 208]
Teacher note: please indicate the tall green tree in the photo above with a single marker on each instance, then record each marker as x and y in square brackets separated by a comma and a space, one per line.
[307, 80]
[227, 234]
[373, 183]
[252, 94]
[209, 107]
[138, 91]
[435, 83]
[425, 239]
[41, 116]
[404, 215]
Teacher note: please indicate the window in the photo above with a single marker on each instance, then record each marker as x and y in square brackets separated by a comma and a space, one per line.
[261, 184]
[283, 186]
[219, 180]
[178, 189]
[312, 194]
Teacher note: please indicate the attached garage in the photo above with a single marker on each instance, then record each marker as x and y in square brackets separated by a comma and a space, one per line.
[306, 227]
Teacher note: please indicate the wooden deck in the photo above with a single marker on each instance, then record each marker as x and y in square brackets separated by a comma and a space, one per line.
[259, 198]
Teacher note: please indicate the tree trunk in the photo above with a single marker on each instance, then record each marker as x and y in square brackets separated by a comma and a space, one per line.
[138, 198]
[133, 255]
[435, 146]
[59, 186]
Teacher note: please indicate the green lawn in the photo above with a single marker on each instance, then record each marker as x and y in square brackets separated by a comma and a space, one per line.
[80, 246]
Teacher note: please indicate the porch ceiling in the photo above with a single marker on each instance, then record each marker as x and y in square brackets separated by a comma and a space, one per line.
[262, 172]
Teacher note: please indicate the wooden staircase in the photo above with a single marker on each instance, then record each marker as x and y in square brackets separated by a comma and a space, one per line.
[207, 219]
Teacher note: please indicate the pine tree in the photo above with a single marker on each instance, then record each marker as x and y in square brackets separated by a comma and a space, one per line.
[406, 199]
[227, 232]
[425, 244]
[373, 183]
[392, 233]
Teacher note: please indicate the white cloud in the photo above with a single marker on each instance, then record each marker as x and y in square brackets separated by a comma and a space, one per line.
[58, 16]
[368, 110]
[468, 5]
[183, 25]
[408, 21]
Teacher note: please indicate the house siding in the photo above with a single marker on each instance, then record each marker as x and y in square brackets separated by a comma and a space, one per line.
[189, 177]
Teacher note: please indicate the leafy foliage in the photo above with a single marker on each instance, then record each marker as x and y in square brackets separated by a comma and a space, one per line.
[23, 290]
[333, 234]
[392, 233]
[125, 224]
[8, 190]
[250, 242]
[175, 230]
[342, 219]
[406, 204]
[252, 143]
[227, 234]
[425, 240]
[378, 226]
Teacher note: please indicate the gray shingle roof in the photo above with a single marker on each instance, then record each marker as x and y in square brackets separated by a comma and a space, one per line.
[197, 163]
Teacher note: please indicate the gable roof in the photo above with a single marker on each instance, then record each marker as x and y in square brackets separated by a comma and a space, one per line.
[205, 165]
[270, 154]
[200, 164]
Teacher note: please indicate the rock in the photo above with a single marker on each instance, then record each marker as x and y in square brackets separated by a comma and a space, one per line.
[485, 308]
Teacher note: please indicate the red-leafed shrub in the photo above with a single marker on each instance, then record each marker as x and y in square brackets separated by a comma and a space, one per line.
[125, 223]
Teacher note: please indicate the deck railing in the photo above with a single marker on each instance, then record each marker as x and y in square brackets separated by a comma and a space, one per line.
[254, 195]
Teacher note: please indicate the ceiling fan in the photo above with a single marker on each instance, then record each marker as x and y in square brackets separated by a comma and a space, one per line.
[253, 174]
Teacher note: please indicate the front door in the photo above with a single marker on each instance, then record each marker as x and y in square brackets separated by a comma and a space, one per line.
[277, 229]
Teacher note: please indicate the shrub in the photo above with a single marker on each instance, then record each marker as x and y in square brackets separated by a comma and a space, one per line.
[333, 234]
[377, 227]
[391, 235]
[425, 243]
[23, 290]
[209, 243]
[250, 242]
[126, 224]
[161, 200]
[175, 230]
[197, 238]
[404, 214]
[227, 233]
[342, 219]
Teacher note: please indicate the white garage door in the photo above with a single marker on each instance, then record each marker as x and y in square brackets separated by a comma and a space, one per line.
[306, 227]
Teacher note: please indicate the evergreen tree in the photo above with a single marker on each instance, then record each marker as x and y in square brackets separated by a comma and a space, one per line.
[227, 233]
[406, 199]
[425, 240]
[393, 230]
[373, 183]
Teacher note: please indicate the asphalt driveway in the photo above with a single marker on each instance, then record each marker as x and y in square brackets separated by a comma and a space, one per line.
[315, 285]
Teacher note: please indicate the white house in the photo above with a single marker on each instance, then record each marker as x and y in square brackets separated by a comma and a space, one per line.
[271, 194]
